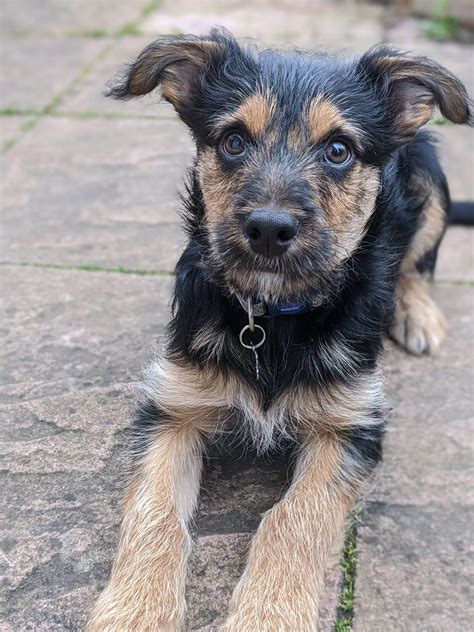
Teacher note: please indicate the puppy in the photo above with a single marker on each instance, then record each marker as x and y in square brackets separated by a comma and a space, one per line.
[316, 206]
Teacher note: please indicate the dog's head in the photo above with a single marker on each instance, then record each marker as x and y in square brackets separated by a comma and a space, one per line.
[290, 147]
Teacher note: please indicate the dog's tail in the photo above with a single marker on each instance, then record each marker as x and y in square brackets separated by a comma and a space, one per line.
[461, 213]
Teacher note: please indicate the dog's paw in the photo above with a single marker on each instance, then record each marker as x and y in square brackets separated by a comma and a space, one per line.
[123, 624]
[130, 616]
[418, 324]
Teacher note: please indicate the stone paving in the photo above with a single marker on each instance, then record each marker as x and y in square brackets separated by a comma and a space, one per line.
[89, 239]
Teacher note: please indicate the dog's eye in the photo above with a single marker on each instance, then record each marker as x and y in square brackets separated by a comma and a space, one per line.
[233, 145]
[337, 153]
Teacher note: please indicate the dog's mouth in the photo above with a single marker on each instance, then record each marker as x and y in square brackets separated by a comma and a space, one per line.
[299, 272]
[272, 281]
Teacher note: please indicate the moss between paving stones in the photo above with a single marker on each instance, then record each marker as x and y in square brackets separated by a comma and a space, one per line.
[131, 28]
[88, 267]
[345, 612]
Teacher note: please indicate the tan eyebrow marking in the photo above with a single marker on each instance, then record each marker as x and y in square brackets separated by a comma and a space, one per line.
[323, 117]
[255, 113]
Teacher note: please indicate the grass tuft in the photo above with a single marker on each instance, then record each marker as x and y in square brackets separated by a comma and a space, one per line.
[443, 25]
[17, 112]
[440, 121]
[347, 592]
[149, 8]
[133, 28]
[130, 29]
[95, 33]
[8, 145]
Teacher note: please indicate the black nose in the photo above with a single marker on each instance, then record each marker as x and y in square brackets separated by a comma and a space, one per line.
[270, 232]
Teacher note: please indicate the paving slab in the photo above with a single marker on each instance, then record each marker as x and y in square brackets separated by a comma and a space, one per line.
[90, 329]
[456, 153]
[414, 568]
[88, 95]
[305, 24]
[456, 255]
[10, 128]
[95, 191]
[40, 68]
[57, 16]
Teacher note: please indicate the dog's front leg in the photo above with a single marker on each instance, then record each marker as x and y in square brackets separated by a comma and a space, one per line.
[146, 589]
[284, 578]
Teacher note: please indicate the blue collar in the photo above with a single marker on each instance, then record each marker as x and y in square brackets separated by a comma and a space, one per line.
[292, 309]
[273, 310]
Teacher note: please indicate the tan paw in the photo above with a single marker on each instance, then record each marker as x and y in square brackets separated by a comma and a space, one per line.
[418, 324]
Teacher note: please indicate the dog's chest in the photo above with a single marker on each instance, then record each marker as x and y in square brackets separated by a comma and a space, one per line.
[265, 425]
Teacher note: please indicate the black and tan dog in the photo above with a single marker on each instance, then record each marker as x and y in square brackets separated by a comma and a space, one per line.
[315, 209]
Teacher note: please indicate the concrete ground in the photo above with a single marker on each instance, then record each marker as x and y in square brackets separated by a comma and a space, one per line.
[89, 239]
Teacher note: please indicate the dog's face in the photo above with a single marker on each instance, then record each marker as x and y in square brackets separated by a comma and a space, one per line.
[290, 149]
[286, 191]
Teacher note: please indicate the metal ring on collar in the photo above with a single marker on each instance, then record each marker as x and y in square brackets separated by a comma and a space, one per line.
[259, 344]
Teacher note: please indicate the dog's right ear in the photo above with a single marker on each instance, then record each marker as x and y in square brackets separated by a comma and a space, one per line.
[175, 63]
[412, 87]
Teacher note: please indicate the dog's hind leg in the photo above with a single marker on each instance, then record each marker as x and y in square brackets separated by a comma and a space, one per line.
[418, 324]
[146, 588]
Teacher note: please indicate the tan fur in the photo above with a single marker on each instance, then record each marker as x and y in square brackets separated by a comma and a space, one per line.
[284, 578]
[181, 388]
[432, 227]
[217, 187]
[146, 588]
[418, 324]
[412, 79]
[418, 101]
[348, 207]
[256, 113]
[323, 117]
[340, 407]
[177, 76]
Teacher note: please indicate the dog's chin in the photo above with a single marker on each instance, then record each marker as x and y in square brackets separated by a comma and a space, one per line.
[271, 287]
[284, 280]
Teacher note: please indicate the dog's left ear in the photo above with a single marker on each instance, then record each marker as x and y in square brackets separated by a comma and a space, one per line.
[176, 64]
[412, 87]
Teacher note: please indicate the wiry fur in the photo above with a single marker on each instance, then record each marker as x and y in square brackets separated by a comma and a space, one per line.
[367, 232]
[146, 590]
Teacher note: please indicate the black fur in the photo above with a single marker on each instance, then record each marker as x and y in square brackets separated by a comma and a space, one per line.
[358, 312]
[359, 293]
[148, 417]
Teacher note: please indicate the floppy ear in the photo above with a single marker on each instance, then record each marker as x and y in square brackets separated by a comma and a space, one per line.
[173, 62]
[413, 87]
